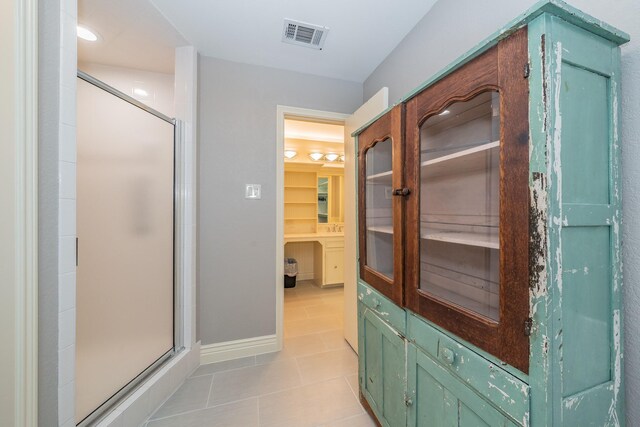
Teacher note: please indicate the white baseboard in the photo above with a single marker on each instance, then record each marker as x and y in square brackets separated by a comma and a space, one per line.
[237, 349]
[305, 276]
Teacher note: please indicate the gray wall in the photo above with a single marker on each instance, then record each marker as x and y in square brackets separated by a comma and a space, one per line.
[48, 125]
[453, 27]
[237, 143]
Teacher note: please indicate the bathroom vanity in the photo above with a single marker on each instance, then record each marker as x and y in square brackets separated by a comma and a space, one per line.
[489, 244]
[314, 220]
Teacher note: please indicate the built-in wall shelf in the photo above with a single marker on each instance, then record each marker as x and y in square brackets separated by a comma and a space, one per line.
[474, 158]
[300, 202]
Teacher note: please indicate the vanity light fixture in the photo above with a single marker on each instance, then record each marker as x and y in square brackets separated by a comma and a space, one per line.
[86, 34]
[290, 154]
[316, 156]
[331, 157]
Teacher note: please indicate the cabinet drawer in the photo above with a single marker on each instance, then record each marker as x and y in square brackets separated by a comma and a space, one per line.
[383, 307]
[334, 243]
[502, 389]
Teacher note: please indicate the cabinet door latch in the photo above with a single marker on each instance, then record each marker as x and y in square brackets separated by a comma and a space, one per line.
[401, 192]
[527, 70]
[407, 401]
[528, 326]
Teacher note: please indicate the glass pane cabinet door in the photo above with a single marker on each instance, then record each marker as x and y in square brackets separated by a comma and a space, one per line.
[379, 208]
[380, 204]
[459, 205]
[467, 166]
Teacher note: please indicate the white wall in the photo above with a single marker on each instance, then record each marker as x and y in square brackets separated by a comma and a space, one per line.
[159, 86]
[237, 146]
[453, 27]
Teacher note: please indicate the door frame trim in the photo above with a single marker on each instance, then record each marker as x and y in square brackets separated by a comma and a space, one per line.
[282, 112]
[25, 282]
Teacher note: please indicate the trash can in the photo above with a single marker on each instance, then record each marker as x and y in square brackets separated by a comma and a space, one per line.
[290, 272]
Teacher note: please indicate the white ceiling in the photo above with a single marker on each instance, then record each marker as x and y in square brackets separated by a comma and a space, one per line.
[313, 131]
[362, 32]
[132, 34]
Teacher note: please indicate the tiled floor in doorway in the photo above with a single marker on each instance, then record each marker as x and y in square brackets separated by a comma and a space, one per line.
[313, 381]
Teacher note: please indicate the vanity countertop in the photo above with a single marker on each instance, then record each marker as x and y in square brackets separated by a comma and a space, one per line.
[312, 236]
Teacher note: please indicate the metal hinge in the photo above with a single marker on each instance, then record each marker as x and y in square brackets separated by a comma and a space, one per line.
[528, 326]
[527, 70]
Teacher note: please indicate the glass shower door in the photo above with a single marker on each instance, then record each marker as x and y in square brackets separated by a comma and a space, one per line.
[125, 227]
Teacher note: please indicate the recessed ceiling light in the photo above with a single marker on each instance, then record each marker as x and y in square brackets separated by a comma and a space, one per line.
[86, 34]
[444, 113]
[140, 92]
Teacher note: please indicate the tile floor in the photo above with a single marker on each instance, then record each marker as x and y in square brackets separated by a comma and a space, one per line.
[313, 381]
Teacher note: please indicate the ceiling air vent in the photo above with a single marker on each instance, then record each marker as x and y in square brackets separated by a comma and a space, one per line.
[303, 34]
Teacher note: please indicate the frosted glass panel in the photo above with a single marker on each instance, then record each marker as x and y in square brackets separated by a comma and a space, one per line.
[459, 204]
[379, 208]
[125, 240]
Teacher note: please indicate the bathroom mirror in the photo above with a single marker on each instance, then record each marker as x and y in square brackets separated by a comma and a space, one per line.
[323, 200]
[330, 206]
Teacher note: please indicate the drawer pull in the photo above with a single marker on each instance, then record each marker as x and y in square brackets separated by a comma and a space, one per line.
[447, 355]
[376, 302]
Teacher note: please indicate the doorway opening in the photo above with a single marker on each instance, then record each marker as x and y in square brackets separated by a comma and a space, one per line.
[310, 227]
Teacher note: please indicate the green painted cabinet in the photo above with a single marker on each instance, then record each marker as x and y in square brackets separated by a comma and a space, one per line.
[438, 399]
[490, 285]
[382, 373]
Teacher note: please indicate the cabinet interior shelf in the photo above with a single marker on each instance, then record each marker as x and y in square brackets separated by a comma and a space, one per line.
[463, 301]
[483, 240]
[300, 219]
[300, 203]
[381, 177]
[386, 229]
[309, 187]
[466, 160]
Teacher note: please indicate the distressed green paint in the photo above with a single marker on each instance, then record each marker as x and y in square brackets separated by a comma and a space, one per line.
[540, 356]
[382, 368]
[584, 106]
[575, 265]
[439, 399]
[383, 307]
[586, 312]
[417, 330]
[505, 391]
[583, 220]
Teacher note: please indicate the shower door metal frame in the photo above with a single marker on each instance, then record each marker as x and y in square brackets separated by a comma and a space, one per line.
[178, 337]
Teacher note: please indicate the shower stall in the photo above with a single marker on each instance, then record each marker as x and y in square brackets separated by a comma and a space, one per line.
[125, 320]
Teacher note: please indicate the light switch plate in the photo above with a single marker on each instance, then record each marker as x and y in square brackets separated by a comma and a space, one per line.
[253, 191]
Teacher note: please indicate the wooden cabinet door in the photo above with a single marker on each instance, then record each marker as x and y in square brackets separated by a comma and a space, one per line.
[382, 373]
[467, 214]
[334, 266]
[381, 195]
[437, 399]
